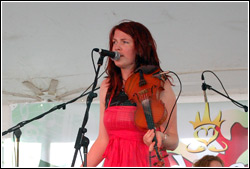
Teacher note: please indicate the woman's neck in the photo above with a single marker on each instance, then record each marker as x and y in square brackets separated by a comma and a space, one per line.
[126, 73]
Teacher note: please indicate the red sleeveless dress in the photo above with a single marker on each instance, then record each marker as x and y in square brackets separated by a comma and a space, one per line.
[126, 147]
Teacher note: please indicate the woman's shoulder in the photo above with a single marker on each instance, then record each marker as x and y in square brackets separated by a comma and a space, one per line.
[104, 89]
[104, 84]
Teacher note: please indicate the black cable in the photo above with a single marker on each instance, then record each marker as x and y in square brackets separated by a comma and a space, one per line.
[234, 102]
[93, 60]
[83, 93]
[175, 100]
[217, 78]
[81, 156]
[88, 88]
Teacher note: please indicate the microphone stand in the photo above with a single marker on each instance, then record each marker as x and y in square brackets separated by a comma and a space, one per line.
[81, 140]
[18, 134]
[16, 128]
[206, 86]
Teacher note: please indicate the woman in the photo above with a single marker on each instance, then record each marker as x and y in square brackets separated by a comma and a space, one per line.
[209, 161]
[119, 141]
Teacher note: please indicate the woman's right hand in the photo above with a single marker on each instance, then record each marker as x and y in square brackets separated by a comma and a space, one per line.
[148, 138]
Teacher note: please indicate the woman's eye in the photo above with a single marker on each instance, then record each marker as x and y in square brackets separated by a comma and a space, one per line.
[124, 42]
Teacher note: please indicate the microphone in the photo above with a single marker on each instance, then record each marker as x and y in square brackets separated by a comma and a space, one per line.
[113, 55]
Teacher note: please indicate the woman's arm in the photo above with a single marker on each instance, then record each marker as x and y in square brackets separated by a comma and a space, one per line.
[169, 139]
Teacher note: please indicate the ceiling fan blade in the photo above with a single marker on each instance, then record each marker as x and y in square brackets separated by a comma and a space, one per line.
[70, 93]
[22, 95]
[32, 87]
[52, 87]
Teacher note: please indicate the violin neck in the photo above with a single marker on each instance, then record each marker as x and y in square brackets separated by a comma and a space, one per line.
[146, 104]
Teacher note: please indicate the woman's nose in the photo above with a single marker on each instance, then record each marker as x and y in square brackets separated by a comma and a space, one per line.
[117, 47]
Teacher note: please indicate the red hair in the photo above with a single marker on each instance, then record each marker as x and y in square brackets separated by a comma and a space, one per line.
[145, 47]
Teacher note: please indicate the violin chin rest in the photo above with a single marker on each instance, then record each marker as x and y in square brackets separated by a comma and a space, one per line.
[147, 69]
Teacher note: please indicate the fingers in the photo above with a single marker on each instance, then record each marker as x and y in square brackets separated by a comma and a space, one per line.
[159, 138]
[148, 137]
[159, 142]
[151, 147]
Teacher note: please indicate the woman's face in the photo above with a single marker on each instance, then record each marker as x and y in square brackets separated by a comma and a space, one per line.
[124, 44]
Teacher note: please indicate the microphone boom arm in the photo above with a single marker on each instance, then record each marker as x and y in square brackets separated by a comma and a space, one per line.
[206, 86]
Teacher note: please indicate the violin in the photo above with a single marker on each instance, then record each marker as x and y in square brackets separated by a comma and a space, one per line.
[144, 89]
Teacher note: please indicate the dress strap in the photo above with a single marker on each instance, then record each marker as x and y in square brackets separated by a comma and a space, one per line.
[111, 96]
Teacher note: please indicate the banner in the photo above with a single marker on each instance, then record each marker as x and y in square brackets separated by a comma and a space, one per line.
[225, 136]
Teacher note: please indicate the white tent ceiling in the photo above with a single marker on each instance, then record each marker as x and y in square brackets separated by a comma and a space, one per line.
[50, 43]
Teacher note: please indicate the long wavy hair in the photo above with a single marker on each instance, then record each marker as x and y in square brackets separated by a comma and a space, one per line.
[145, 47]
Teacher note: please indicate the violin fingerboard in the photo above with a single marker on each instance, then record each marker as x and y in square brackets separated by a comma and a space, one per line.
[148, 113]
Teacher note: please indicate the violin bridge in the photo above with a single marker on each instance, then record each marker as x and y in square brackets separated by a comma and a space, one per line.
[144, 94]
[144, 91]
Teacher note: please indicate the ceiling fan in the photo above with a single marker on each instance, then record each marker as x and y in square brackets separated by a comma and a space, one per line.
[48, 95]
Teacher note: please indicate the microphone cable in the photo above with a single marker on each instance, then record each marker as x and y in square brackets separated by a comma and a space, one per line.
[166, 72]
[234, 102]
